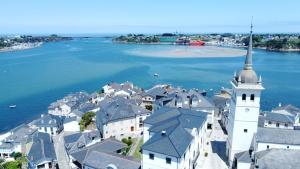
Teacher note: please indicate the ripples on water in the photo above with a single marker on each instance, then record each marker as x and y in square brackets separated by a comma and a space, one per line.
[34, 78]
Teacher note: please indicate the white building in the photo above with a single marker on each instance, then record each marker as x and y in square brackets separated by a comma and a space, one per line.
[120, 118]
[15, 141]
[48, 124]
[123, 89]
[173, 139]
[245, 107]
[71, 124]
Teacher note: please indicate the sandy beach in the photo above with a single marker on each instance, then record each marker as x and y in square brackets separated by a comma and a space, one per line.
[189, 52]
[21, 46]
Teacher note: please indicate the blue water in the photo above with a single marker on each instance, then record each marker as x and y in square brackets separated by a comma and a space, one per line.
[34, 78]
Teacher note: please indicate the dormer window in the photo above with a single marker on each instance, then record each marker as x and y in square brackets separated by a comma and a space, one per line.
[243, 96]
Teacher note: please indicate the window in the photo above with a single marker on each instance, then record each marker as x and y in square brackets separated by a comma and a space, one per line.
[277, 124]
[245, 130]
[286, 125]
[168, 160]
[268, 146]
[288, 147]
[131, 128]
[244, 97]
[151, 156]
[269, 122]
[252, 97]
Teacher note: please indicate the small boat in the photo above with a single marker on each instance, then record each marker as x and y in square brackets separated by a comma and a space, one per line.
[156, 75]
[12, 106]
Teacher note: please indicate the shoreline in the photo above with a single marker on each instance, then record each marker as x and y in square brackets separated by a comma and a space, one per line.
[21, 46]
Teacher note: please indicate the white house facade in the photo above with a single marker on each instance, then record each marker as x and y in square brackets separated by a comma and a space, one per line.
[174, 142]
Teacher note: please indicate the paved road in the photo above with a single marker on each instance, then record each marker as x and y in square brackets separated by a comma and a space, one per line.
[61, 155]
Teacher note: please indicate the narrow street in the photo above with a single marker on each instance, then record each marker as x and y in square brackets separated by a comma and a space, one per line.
[61, 154]
[216, 158]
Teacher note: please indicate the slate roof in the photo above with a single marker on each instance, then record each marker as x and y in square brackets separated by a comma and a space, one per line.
[46, 121]
[73, 100]
[277, 117]
[155, 91]
[293, 110]
[42, 149]
[243, 157]
[70, 119]
[176, 124]
[78, 141]
[103, 153]
[278, 136]
[100, 160]
[20, 134]
[188, 98]
[277, 159]
[116, 109]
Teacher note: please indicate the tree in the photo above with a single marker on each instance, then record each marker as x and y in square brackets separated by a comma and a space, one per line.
[86, 120]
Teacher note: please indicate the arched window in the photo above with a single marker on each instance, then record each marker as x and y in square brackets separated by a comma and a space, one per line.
[244, 97]
[252, 97]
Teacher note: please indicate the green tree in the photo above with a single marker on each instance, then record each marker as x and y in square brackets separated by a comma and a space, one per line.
[86, 120]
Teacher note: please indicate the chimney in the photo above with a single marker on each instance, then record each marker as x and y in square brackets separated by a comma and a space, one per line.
[279, 104]
[163, 133]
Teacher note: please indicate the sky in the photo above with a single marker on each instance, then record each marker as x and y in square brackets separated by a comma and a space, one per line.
[148, 16]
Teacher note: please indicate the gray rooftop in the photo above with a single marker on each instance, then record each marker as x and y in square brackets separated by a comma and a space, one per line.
[188, 98]
[156, 91]
[116, 109]
[100, 160]
[102, 154]
[20, 134]
[278, 136]
[78, 141]
[42, 149]
[243, 157]
[293, 110]
[176, 123]
[277, 117]
[278, 159]
[47, 121]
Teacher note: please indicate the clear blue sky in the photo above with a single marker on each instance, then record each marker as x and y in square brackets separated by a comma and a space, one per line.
[148, 16]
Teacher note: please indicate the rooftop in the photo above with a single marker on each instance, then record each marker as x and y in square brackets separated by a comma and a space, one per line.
[278, 136]
[172, 130]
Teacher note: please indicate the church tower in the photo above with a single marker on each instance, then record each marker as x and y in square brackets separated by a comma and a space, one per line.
[244, 107]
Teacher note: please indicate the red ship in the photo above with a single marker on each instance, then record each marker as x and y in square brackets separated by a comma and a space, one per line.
[197, 43]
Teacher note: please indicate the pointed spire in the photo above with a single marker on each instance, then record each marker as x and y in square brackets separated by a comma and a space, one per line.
[248, 61]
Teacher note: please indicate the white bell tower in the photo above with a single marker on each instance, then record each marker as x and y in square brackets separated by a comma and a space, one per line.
[244, 107]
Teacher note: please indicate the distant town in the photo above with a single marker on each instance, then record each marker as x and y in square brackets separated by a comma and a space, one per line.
[274, 42]
[11, 43]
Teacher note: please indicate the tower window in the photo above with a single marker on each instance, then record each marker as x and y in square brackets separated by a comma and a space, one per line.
[245, 130]
[168, 160]
[244, 97]
[252, 97]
